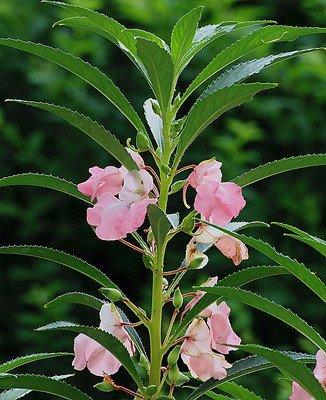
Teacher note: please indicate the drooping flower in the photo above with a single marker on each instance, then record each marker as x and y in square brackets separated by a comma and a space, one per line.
[219, 203]
[222, 335]
[90, 354]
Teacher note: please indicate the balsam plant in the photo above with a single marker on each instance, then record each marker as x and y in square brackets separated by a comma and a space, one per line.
[131, 203]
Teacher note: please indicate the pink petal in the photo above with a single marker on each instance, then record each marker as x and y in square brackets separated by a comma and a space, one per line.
[102, 361]
[209, 170]
[232, 248]
[298, 393]
[320, 370]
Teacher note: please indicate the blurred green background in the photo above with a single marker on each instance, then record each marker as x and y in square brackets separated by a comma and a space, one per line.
[283, 122]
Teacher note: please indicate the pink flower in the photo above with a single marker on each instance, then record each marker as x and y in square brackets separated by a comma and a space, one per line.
[136, 186]
[219, 203]
[209, 170]
[320, 370]
[298, 393]
[90, 354]
[199, 294]
[102, 180]
[197, 338]
[221, 330]
[232, 248]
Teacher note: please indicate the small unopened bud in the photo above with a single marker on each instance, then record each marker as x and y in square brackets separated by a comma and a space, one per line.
[177, 186]
[112, 294]
[104, 386]
[165, 168]
[150, 390]
[174, 373]
[148, 261]
[143, 362]
[174, 355]
[142, 141]
[165, 283]
[177, 299]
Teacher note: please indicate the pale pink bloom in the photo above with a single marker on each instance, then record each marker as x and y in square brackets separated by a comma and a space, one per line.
[320, 370]
[207, 365]
[209, 170]
[90, 354]
[298, 393]
[136, 157]
[221, 330]
[136, 186]
[199, 294]
[219, 203]
[102, 180]
[197, 339]
[232, 248]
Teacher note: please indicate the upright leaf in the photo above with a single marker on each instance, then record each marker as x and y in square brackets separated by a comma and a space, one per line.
[83, 70]
[19, 361]
[271, 308]
[62, 258]
[245, 45]
[108, 341]
[45, 181]
[247, 366]
[140, 33]
[238, 391]
[159, 223]
[182, 36]
[206, 110]
[42, 384]
[92, 129]
[278, 167]
[158, 66]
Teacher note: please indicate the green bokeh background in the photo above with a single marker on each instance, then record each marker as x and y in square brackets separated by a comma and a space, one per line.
[283, 122]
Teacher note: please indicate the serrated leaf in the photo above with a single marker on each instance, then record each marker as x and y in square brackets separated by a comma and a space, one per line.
[62, 258]
[242, 71]
[15, 394]
[271, 308]
[238, 391]
[297, 372]
[296, 268]
[19, 361]
[244, 367]
[237, 279]
[278, 167]
[76, 298]
[206, 110]
[108, 341]
[215, 396]
[183, 34]
[154, 121]
[158, 65]
[45, 181]
[313, 241]
[83, 70]
[245, 45]
[159, 223]
[42, 384]
[91, 128]
[140, 33]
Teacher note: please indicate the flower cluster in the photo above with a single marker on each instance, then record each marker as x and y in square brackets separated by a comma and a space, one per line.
[90, 354]
[298, 393]
[122, 198]
[208, 332]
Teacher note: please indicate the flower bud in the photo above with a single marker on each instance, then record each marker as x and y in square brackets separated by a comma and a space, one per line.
[174, 355]
[112, 294]
[104, 386]
[148, 261]
[165, 283]
[177, 299]
[143, 362]
[174, 373]
[165, 168]
[178, 185]
[142, 141]
[150, 390]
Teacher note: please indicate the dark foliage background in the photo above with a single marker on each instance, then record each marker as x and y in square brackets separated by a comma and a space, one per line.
[284, 122]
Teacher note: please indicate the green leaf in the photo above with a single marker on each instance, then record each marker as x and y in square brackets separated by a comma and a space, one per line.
[15, 394]
[206, 110]
[140, 33]
[108, 341]
[62, 258]
[92, 129]
[268, 307]
[313, 241]
[237, 279]
[215, 396]
[247, 366]
[158, 67]
[242, 71]
[46, 181]
[83, 70]
[278, 167]
[42, 384]
[245, 45]
[297, 372]
[238, 391]
[159, 223]
[76, 298]
[293, 266]
[182, 37]
[19, 361]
